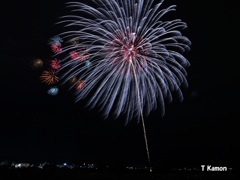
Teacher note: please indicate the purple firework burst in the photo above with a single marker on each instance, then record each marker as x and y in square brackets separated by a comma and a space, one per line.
[135, 60]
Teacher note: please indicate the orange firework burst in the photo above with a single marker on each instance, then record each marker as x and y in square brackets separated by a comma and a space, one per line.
[80, 85]
[49, 77]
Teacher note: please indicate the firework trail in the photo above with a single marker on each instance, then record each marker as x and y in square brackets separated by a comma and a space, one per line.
[129, 58]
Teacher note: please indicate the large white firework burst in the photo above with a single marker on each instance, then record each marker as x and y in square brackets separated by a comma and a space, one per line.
[135, 61]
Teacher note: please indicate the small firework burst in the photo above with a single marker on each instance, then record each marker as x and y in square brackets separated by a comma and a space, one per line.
[37, 63]
[55, 64]
[56, 48]
[74, 55]
[80, 56]
[55, 39]
[73, 80]
[49, 77]
[56, 44]
[80, 85]
[75, 42]
[53, 91]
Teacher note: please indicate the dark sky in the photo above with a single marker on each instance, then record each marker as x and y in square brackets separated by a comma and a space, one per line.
[36, 127]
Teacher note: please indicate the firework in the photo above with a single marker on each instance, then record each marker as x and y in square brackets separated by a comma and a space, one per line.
[56, 44]
[123, 57]
[55, 64]
[49, 77]
[53, 91]
[135, 56]
[37, 63]
[80, 85]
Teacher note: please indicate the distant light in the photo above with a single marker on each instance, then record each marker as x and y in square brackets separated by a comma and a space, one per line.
[65, 164]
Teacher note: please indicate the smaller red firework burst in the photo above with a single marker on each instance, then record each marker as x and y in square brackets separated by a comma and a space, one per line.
[55, 64]
[56, 47]
[79, 56]
[74, 55]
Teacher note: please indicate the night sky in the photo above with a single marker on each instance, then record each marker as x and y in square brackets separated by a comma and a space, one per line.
[36, 127]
